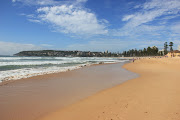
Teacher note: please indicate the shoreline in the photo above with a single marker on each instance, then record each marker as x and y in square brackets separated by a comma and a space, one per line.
[5, 82]
[129, 59]
[18, 68]
[152, 96]
[40, 95]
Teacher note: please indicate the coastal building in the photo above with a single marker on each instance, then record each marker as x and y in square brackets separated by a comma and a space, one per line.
[179, 47]
[175, 53]
[161, 52]
[106, 52]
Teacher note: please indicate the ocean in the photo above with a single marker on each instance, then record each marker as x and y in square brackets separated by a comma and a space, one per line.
[13, 68]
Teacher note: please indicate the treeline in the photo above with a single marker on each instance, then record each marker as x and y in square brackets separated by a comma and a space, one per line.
[150, 51]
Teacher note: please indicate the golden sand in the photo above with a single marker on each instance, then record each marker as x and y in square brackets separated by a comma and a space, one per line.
[155, 95]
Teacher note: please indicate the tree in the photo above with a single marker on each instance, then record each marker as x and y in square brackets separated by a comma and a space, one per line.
[149, 51]
[135, 52]
[154, 50]
[165, 48]
[125, 53]
[141, 52]
[144, 52]
[171, 45]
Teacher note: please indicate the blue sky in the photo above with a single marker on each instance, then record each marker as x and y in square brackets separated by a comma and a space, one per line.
[95, 25]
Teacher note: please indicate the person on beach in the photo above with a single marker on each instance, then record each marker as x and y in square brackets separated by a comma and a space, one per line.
[133, 59]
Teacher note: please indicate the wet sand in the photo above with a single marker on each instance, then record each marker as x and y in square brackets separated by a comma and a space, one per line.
[32, 98]
[155, 95]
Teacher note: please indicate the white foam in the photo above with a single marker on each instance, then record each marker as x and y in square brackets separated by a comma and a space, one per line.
[48, 61]
[36, 63]
[29, 72]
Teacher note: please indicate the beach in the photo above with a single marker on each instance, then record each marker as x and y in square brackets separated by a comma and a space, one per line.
[90, 60]
[35, 97]
[154, 95]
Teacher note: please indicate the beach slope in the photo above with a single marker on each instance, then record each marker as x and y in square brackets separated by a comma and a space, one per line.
[155, 95]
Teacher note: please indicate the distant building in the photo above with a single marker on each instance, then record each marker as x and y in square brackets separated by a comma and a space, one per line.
[175, 53]
[179, 47]
[161, 51]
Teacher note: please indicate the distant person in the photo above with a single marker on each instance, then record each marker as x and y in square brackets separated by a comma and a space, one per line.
[133, 59]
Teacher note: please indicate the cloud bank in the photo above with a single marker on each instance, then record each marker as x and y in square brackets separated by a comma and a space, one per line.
[10, 48]
[48, 2]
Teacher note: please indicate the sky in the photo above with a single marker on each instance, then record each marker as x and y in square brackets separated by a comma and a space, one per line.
[88, 25]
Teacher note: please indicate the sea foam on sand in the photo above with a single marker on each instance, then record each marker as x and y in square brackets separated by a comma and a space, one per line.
[45, 65]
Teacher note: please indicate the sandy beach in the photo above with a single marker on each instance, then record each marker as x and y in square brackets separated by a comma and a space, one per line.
[155, 95]
[32, 98]
[90, 60]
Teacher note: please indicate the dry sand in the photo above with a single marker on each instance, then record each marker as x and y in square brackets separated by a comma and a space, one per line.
[155, 95]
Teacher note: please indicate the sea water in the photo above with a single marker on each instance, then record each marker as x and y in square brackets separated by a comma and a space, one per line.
[13, 68]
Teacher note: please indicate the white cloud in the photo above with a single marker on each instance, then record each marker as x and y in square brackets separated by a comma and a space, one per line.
[69, 17]
[140, 31]
[30, 16]
[34, 20]
[13, 1]
[10, 48]
[48, 2]
[47, 45]
[154, 9]
[72, 19]
[127, 17]
[162, 4]
[81, 0]
[37, 2]
[157, 11]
